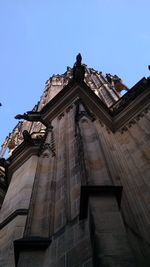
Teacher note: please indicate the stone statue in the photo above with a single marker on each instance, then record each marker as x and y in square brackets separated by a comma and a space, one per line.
[78, 59]
[78, 70]
[27, 137]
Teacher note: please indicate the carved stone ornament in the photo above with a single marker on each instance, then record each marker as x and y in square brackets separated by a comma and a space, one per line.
[47, 148]
[31, 116]
[78, 70]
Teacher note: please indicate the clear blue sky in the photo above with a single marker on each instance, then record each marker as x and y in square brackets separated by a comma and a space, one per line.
[42, 37]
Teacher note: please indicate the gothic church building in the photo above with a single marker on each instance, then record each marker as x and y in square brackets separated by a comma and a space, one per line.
[75, 187]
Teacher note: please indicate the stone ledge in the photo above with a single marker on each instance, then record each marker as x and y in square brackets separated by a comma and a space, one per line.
[12, 216]
[90, 190]
[30, 243]
[21, 154]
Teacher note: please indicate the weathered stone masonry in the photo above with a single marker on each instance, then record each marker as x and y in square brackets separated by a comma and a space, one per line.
[74, 191]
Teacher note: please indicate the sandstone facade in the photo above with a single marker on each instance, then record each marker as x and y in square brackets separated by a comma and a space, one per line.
[78, 178]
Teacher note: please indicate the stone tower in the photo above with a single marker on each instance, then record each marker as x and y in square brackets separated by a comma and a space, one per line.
[75, 187]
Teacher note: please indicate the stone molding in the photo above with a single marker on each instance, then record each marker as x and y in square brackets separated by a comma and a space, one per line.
[131, 105]
[30, 243]
[12, 216]
[21, 154]
[90, 190]
[135, 104]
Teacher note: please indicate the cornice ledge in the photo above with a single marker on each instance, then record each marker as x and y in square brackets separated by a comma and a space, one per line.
[12, 216]
[140, 103]
[21, 154]
[68, 94]
[138, 89]
[32, 243]
[97, 190]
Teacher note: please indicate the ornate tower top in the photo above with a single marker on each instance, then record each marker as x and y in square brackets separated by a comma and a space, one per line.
[106, 87]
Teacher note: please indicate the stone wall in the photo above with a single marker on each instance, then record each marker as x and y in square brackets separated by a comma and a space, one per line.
[14, 210]
[128, 157]
[80, 151]
[70, 246]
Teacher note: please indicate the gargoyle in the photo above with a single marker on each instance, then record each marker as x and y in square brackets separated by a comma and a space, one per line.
[31, 116]
[78, 70]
